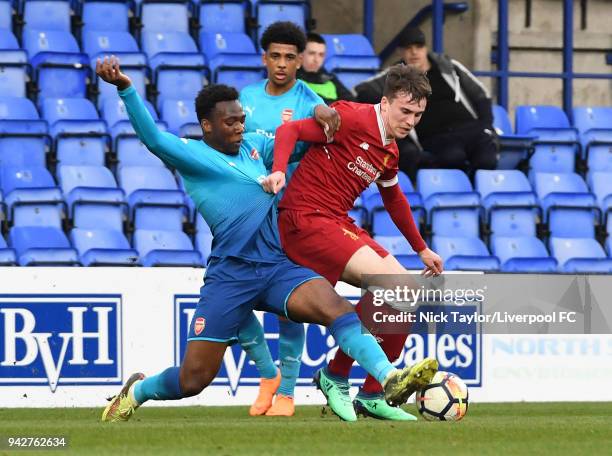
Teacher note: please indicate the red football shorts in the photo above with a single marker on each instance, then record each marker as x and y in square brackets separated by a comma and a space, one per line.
[322, 242]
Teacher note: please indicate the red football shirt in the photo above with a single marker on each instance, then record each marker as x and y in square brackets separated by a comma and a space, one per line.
[331, 176]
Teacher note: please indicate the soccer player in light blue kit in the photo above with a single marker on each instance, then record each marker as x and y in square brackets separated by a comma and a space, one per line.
[268, 104]
[247, 269]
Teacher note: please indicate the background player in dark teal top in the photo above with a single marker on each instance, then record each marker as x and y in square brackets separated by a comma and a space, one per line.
[267, 105]
[250, 272]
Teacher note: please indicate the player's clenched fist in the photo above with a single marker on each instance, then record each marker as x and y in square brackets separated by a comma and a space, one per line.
[108, 69]
[274, 183]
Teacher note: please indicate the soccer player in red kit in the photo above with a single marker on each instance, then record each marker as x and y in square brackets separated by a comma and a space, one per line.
[317, 232]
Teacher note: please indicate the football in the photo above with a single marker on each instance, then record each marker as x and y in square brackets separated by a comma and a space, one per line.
[444, 399]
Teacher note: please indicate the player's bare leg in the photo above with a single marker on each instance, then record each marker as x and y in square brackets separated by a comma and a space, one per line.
[317, 302]
[199, 367]
[388, 273]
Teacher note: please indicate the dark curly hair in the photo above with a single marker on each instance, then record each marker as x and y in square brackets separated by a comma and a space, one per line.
[209, 96]
[284, 33]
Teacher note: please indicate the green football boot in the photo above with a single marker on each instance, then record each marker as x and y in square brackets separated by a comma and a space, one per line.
[336, 391]
[401, 384]
[123, 405]
[376, 407]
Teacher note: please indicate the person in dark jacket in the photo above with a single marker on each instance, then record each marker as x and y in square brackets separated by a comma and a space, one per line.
[324, 84]
[456, 130]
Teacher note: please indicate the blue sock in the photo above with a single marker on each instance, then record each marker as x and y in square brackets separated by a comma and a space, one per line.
[291, 345]
[360, 345]
[160, 387]
[251, 338]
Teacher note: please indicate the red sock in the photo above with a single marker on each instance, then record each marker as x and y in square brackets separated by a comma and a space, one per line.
[392, 345]
[341, 365]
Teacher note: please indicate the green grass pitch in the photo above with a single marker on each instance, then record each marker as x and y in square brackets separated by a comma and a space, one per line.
[496, 429]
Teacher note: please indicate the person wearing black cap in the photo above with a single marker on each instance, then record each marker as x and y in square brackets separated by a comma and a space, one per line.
[456, 129]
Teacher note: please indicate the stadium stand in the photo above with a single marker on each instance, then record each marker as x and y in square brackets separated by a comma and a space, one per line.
[170, 50]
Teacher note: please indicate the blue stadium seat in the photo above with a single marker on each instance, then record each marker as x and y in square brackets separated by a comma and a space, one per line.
[81, 137]
[351, 58]
[382, 225]
[23, 186]
[179, 115]
[556, 143]
[105, 16]
[511, 206]
[113, 111]
[599, 158]
[580, 255]
[128, 147]
[179, 67]
[7, 255]
[464, 253]
[89, 184]
[548, 123]
[503, 188]
[441, 188]
[552, 158]
[222, 16]
[6, 15]
[166, 248]
[42, 246]
[102, 43]
[569, 207]
[179, 84]
[165, 17]
[103, 248]
[24, 139]
[232, 58]
[522, 254]
[149, 185]
[562, 190]
[513, 221]
[399, 247]
[13, 66]
[15, 178]
[601, 185]
[8, 41]
[453, 208]
[456, 222]
[268, 13]
[594, 125]
[61, 70]
[131, 152]
[115, 115]
[350, 52]
[171, 49]
[47, 15]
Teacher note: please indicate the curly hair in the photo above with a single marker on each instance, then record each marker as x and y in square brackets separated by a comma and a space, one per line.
[284, 33]
[209, 96]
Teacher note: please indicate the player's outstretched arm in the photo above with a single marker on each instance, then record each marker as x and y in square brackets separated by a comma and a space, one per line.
[399, 209]
[165, 145]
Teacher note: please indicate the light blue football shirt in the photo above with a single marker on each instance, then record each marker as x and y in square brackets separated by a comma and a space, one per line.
[265, 112]
[225, 188]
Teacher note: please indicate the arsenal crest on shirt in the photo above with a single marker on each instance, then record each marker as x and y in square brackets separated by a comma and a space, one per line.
[199, 325]
[286, 115]
[254, 154]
